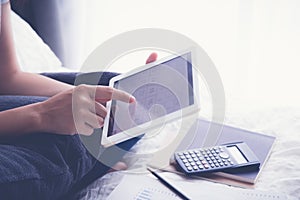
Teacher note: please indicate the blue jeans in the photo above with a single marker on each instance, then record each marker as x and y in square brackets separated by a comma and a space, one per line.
[50, 166]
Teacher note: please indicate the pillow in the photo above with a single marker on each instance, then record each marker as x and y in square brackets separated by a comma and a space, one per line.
[33, 54]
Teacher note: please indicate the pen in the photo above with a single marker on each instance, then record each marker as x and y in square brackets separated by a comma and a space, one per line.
[163, 181]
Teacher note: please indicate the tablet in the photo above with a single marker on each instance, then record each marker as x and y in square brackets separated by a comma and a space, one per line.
[164, 90]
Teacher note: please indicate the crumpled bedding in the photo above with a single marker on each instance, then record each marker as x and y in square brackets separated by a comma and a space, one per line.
[281, 173]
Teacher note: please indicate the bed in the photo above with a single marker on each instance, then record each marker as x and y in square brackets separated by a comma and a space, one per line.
[280, 174]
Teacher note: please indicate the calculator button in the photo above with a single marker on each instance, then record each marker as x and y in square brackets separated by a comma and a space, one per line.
[201, 158]
[207, 159]
[193, 155]
[186, 153]
[190, 160]
[201, 167]
[182, 157]
[231, 163]
[195, 167]
[196, 159]
[198, 163]
[184, 160]
[189, 168]
[187, 164]
[190, 152]
[212, 166]
[217, 165]
[224, 155]
[221, 164]
[206, 166]
[187, 156]
[192, 163]
[196, 151]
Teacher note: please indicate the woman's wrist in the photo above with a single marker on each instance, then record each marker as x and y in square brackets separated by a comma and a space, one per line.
[20, 121]
[55, 114]
[37, 120]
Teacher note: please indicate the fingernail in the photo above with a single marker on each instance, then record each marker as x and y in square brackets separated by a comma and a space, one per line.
[132, 99]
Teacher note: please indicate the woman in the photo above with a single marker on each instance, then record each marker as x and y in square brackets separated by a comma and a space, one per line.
[41, 155]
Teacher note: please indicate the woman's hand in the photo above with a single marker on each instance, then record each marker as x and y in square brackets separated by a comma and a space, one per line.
[78, 110]
[81, 109]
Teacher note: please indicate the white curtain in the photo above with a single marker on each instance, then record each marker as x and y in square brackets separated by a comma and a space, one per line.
[253, 43]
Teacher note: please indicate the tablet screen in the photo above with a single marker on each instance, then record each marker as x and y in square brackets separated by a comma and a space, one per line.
[158, 90]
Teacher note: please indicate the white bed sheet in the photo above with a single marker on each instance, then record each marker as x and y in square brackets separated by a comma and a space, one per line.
[281, 173]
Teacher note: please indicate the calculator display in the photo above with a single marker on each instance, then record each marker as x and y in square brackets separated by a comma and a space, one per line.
[237, 154]
[233, 157]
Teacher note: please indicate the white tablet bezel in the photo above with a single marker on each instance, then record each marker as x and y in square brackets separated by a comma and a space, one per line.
[136, 131]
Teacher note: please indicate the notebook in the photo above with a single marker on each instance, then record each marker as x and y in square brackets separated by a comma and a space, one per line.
[143, 187]
[199, 189]
[260, 144]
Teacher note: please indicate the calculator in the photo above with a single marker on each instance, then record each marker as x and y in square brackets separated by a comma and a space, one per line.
[227, 158]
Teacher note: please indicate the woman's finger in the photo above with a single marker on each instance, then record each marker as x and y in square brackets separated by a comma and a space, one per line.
[99, 109]
[104, 94]
[84, 128]
[151, 58]
[122, 96]
[94, 120]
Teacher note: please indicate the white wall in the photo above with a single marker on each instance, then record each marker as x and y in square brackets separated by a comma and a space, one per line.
[253, 43]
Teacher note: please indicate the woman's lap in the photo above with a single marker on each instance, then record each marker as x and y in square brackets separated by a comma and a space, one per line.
[42, 165]
[47, 165]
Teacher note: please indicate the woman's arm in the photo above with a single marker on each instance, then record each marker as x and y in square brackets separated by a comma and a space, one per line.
[71, 109]
[19, 121]
[78, 110]
[54, 115]
[12, 79]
